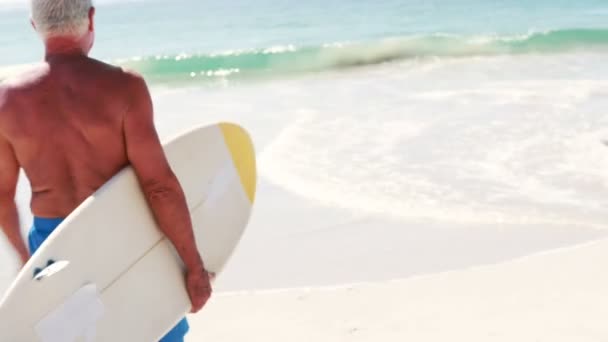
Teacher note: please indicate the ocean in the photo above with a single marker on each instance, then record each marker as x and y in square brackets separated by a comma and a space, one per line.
[378, 121]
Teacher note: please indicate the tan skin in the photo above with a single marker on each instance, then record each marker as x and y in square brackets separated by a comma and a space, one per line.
[71, 124]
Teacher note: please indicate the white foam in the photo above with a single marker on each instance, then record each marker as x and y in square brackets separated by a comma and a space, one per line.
[462, 142]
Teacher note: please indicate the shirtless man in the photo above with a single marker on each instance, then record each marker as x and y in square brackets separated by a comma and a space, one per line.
[72, 123]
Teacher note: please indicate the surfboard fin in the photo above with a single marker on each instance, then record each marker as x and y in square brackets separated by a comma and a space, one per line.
[52, 268]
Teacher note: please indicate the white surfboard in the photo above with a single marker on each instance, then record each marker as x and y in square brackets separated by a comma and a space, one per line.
[107, 274]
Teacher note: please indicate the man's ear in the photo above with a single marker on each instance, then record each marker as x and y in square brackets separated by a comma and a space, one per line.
[92, 19]
[33, 24]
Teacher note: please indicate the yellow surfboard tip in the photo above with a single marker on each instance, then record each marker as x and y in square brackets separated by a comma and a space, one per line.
[243, 155]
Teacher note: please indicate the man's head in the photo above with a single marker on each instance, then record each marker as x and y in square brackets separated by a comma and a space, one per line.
[67, 19]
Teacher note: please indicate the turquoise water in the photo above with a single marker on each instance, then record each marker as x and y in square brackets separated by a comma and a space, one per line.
[183, 39]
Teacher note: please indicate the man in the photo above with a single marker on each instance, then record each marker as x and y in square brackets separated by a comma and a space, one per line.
[72, 123]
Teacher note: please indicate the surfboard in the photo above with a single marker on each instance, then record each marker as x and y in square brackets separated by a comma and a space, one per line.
[108, 274]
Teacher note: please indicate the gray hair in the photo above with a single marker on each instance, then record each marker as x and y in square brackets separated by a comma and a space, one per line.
[61, 17]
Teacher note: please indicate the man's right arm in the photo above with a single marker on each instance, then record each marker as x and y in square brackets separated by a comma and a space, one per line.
[161, 187]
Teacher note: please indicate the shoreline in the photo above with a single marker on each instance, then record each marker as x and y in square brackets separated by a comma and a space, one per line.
[331, 246]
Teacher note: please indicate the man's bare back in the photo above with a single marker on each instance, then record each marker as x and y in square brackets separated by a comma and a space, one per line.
[72, 124]
[65, 123]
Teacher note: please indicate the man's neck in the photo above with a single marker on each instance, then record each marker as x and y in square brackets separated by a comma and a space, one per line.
[63, 47]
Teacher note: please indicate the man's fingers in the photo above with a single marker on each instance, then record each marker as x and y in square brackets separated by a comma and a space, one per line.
[196, 307]
[199, 301]
[199, 289]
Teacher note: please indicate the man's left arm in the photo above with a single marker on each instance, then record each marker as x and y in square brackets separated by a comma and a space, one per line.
[9, 216]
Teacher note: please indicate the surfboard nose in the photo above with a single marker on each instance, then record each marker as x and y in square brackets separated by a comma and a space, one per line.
[243, 156]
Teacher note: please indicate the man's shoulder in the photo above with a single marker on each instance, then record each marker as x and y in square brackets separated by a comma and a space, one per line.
[12, 87]
[5, 95]
[9, 93]
[4, 89]
[120, 71]
[134, 78]
[135, 82]
[25, 78]
[9, 89]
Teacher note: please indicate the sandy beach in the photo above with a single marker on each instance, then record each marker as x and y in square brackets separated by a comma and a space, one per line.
[555, 296]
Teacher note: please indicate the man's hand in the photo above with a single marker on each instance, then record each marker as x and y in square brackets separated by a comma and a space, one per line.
[198, 284]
